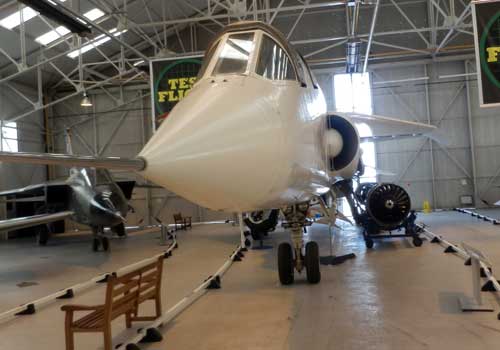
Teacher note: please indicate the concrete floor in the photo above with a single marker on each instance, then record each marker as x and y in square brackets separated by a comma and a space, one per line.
[392, 297]
[69, 260]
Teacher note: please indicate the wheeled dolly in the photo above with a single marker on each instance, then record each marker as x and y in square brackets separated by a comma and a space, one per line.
[371, 231]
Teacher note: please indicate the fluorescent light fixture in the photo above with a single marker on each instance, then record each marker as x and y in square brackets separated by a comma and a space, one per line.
[98, 41]
[61, 31]
[86, 101]
[138, 63]
[14, 20]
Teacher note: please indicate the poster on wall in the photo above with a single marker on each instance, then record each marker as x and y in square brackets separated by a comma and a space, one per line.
[171, 80]
[486, 20]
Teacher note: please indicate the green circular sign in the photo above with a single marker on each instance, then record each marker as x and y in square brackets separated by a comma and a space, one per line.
[482, 50]
[173, 70]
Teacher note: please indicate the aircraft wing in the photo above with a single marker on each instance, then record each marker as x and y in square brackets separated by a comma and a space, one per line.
[29, 221]
[133, 164]
[386, 128]
[37, 190]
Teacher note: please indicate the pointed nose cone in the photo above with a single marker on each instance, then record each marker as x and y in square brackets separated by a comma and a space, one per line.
[220, 145]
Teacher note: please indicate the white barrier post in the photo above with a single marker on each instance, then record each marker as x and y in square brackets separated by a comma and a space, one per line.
[242, 232]
[163, 234]
[475, 303]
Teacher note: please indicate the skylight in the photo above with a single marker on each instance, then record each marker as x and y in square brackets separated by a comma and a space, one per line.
[14, 20]
[98, 41]
[93, 14]
[49, 37]
[61, 31]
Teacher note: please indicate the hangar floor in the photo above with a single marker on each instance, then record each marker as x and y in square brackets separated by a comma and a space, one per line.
[394, 296]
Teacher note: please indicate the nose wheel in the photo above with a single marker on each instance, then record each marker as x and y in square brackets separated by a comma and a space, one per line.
[287, 264]
[312, 263]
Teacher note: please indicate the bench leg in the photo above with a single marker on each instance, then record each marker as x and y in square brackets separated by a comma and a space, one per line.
[158, 306]
[68, 332]
[107, 338]
[128, 320]
[70, 339]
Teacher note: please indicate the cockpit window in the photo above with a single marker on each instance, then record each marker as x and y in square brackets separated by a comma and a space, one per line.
[235, 54]
[273, 62]
[207, 59]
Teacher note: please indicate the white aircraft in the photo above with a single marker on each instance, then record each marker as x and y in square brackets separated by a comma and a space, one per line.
[253, 134]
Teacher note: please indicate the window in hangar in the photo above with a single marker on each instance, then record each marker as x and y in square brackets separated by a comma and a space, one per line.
[353, 94]
[10, 141]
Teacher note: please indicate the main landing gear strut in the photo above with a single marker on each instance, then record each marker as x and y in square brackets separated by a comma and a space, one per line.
[99, 239]
[295, 256]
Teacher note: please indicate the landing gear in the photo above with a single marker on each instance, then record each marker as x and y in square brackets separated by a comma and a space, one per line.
[99, 239]
[260, 226]
[369, 243]
[417, 241]
[96, 243]
[105, 243]
[42, 235]
[291, 256]
[285, 263]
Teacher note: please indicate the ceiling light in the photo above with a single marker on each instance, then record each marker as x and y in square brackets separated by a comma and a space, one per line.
[86, 101]
[14, 20]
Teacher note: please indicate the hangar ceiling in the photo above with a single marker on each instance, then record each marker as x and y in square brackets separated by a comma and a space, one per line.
[39, 52]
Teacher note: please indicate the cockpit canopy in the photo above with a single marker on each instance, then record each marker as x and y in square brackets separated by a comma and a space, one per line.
[254, 48]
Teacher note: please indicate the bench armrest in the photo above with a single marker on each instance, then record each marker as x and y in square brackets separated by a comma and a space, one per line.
[81, 307]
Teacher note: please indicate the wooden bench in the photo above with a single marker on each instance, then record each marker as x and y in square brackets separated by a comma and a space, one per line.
[182, 222]
[124, 294]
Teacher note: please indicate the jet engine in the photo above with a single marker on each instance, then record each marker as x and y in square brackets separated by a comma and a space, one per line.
[387, 204]
[341, 141]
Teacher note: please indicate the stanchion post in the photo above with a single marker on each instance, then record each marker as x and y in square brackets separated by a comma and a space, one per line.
[163, 234]
[242, 230]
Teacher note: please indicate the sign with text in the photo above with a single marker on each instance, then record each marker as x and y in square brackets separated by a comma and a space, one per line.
[486, 18]
[171, 81]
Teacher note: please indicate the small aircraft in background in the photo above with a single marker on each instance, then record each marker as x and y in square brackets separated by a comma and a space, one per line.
[88, 196]
[254, 134]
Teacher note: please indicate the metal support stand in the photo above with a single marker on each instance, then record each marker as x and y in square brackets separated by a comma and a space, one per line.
[475, 303]
[334, 259]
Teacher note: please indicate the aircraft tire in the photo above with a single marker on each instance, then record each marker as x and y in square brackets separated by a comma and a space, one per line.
[96, 244]
[285, 263]
[42, 235]
[312, 263]
[369, 243]
[105, 244]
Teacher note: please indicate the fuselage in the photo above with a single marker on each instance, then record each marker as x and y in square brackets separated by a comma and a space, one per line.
[245, 138]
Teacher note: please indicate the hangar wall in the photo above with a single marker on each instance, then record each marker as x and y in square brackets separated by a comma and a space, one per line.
[30, 134]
